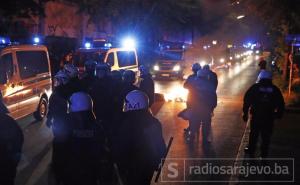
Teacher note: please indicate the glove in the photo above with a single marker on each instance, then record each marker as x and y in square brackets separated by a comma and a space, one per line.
[245, 117]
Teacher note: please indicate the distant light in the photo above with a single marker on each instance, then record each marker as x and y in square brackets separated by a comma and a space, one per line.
[203, 63]
[214, 42]
[205, 47]
[230, 58]
[208, 46]
[128, 43]
[87, 45]
[176, 68]
[240, 16]
[156, 68]
[108, 45]
[36, 40]
[3, 41]
[257, 57]
[222, 60]
[257, 51]
[183, 46]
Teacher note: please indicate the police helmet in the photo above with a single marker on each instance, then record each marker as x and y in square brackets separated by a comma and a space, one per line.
[80, 101]
[61, 78]
[196, 67]
[129, 76]
[144, 69]
[116, 75]
[102, 69]
[90, 66]
[71, 70]
[136, 100]
[264, 75]
[206, 67]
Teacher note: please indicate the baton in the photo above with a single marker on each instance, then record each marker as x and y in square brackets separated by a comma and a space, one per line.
[163, 160]
[118, 174]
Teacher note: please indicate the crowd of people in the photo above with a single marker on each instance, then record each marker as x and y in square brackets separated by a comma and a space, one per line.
[105, 132]
[201, 102]
[102, 126]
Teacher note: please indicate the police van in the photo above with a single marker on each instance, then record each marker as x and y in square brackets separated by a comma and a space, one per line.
[116, 58]
[170, 61]
[25, 80]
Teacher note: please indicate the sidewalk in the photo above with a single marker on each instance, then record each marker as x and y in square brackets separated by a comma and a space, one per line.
[286, 139]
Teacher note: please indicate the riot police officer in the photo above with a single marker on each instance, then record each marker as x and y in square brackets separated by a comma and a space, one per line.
[89, 74]
[265, 103]
[85, 141]
[202, 107]
[56, 119]
[136, 150]
[147, 84]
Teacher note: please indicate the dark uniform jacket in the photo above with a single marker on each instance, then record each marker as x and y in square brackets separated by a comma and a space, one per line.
[264, 100]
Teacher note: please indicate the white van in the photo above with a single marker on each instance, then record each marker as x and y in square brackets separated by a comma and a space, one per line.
[25, 80]
[117, 58]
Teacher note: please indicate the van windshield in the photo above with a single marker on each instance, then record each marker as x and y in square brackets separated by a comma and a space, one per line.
[80, 58]
[171, 55]
[32, 63]
[126, 58]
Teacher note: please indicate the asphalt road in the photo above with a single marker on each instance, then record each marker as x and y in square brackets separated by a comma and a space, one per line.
[227, 128]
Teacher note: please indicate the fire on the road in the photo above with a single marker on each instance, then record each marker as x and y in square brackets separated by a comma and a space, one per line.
[177, 93]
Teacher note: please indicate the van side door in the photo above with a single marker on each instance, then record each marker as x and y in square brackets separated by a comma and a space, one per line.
[9, 92]
[34, 70]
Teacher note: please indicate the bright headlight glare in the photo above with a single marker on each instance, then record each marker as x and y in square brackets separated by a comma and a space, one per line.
[176, 68]
[156, 68]
[203, 63]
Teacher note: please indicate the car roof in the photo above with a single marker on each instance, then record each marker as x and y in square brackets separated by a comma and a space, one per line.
[25, 47]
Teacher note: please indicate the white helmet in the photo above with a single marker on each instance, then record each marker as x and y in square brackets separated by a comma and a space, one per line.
[136, 100]
[71, 70]
[61, 78]
[80, 101]
[264, 74]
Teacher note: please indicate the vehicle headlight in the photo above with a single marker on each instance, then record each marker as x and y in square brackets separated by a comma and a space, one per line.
[203, 63]
[156, 68]
[176, 68]
[257, 51]
[222, 60]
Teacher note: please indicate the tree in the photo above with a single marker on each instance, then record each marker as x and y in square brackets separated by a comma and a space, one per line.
[13, 9]
[145, 17]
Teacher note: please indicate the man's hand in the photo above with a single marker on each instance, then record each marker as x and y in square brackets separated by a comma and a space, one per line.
[245, 117]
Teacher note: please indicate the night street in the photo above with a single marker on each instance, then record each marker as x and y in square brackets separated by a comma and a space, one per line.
[227, 126]
[146, 92]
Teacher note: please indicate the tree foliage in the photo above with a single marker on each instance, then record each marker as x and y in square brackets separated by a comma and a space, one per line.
[142, 15]
[12, 9]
